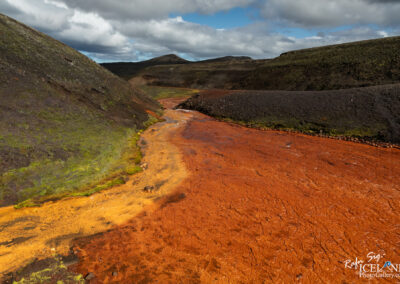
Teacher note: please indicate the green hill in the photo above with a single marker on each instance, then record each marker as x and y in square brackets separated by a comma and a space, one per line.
[350, 65]
[357, 64]
[66, 124]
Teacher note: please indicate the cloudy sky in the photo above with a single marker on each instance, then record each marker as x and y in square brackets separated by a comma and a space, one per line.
[132, 30]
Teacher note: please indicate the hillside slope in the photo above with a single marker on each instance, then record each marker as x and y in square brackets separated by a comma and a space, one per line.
[370, 113]
[65, 122]
[350, 65]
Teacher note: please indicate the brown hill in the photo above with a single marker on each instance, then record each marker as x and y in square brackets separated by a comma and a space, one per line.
[127, 70]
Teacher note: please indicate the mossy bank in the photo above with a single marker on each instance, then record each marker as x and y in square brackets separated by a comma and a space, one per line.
[67, 124]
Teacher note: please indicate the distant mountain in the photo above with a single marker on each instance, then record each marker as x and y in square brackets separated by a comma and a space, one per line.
[169, 58]
[64, 119]
[227, 59]
[127, 70]
[357, 64]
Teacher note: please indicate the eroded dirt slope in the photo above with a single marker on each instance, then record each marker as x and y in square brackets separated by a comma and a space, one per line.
[258, 206]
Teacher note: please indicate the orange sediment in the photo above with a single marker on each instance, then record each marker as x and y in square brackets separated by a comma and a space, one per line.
[172, 102]
[258, 206]
[29, 233]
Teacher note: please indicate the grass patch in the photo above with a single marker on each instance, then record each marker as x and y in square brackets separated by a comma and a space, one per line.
[100, 158]
[157, 92]
[102, 186]
[292, 124]
[152, 120]
[133, 170]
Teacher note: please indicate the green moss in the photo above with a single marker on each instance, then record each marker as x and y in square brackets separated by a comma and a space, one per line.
[104, 161]
[152, 120]
[100, 155]
[102, 186]
[292, 124]
[56, 269]
[157, 92]
[133, 170]
[26, 203]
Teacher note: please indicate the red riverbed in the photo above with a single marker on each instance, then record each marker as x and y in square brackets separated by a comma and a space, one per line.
[258, 207]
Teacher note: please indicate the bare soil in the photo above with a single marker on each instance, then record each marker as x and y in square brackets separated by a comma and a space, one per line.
[258, 206]
[171, 103]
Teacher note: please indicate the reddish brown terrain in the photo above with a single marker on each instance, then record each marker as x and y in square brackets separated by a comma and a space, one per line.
[172, 102]
[257, 207]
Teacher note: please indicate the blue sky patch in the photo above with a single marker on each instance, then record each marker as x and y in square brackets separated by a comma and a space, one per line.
[234, 18]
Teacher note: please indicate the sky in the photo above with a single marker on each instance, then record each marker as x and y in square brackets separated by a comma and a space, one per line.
[135, 30]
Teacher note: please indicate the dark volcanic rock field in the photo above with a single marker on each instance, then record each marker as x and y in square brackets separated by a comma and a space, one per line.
[370, 113]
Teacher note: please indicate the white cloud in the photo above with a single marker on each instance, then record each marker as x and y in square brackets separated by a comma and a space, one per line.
[178, 36]
[89, 28]
[198, 41]
[82, 30]
[43, 15]
[331, 13]
[56, 3]
[130, 30]
[152, 9]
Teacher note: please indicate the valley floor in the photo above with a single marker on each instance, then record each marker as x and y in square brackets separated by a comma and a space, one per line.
[257, 206]
[221, 203]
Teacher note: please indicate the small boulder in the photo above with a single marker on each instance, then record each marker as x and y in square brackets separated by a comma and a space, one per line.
[89, 276]
[148, 188]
